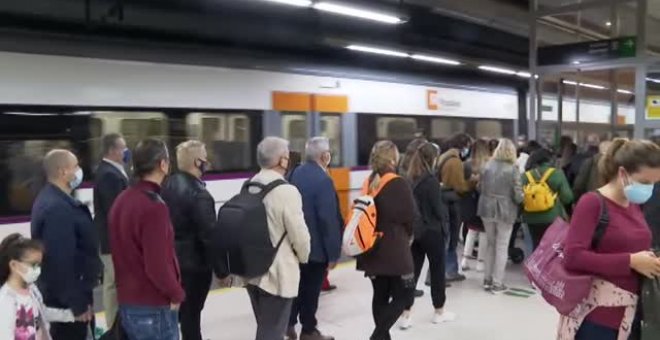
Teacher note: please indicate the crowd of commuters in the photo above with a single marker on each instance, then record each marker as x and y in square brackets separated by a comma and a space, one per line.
[150, 240]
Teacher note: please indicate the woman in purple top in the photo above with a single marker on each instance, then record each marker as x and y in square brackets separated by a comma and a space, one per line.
[630, 168]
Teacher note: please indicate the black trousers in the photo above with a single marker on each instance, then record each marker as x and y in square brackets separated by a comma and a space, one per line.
[537, 231]
[309, 290]
[69, 331]
[431, 245]
[391, 295]
[196, 284]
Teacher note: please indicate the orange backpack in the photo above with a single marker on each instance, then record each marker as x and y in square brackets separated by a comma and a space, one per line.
[360, 234]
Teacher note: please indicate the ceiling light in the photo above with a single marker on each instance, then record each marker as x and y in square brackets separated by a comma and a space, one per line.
[591, 86]
[657, 81]
[357, 12]
[576, 62]
[375, 50]
[608, 24]
[570, 82]
[435, 59]
[497, 69]
[523, 74]
[299, 3]
[624, 91]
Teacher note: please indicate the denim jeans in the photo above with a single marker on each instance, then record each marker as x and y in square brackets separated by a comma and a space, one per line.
[592, 331]
[150, 323]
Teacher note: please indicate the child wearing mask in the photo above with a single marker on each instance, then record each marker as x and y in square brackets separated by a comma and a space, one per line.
[23, 316]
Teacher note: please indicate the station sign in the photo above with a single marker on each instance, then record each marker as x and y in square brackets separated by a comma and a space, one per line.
[588, 52]
[653, 107]
[434, 102]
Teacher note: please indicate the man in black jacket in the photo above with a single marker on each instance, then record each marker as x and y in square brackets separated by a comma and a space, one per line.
[192, 210]
[110, 180]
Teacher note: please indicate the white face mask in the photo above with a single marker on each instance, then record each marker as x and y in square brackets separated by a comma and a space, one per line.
[31, 273]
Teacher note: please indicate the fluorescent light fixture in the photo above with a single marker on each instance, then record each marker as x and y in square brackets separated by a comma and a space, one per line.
[608, 24]
[570, 82]
[576, 62]
[591, 86]
[367, 49]
[622, 91]
[357, 12]
[33, 114]
[299, 3]
[497, 69]
[523, 74]
[653, 80]
[435, 59]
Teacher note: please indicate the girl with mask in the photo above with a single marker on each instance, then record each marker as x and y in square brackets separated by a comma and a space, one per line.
[23, 315]
[630, 168]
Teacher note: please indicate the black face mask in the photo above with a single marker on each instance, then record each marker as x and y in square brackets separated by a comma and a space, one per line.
[203, 166]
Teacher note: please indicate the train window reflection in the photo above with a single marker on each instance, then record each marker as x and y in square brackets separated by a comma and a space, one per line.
[396, 128]
[488, 129]
[22, 172]
[331, 129]
[227, 138]
[295, 130]
[442, 128]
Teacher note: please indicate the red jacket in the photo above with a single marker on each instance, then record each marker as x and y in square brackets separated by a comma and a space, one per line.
[142, 246]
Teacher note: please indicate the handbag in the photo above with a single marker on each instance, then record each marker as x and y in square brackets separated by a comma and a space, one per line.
[651, 306]
[562, 289]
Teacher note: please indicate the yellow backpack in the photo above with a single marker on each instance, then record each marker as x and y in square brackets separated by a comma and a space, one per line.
[539, 197]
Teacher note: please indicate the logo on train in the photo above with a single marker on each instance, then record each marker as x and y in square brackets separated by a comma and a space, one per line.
[435, 102]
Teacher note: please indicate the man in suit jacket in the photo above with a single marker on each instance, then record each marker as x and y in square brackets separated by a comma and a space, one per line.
[110, 180]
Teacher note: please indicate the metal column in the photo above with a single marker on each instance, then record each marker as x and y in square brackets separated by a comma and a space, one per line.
[534, 103]
[640, 71]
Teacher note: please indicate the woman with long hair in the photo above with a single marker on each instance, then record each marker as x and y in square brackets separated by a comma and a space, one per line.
[431, 230]
[479, 156]
[389, 265]
[622, 255]
[501, 194]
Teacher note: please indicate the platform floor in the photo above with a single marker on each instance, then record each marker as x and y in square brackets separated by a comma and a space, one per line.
[346, 314]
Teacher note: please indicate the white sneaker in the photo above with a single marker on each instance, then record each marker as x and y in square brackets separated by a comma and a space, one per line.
[481, 267]
[444, 317]
[405, 322]
[465, 265]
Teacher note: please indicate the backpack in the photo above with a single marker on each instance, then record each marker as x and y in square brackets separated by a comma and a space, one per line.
[538, 196]
[241, 239]
[360, 234]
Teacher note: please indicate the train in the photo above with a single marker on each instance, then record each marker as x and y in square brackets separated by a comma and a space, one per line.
[49, 101]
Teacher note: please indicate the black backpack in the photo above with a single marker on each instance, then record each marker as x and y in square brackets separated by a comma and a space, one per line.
[241, 240]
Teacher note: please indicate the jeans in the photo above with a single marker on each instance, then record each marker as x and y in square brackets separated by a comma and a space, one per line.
[109, 290]
[391, 295]
[498, 235]
[430, 245]
[527, 237]
[196, 284]
[149, 323]
[309, 290]
[271, 313]
[537, 231]
[592, 331]
[451, 261]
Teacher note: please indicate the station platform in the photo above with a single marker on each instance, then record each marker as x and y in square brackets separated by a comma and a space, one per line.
[346, 312]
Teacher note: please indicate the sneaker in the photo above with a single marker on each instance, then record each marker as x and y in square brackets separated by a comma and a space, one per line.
[328, 288]
[488, 284]
[419, 293]
[444, 317]
[315, 335]
[481, 267]
[498, 288]
[457, 278]
[405, 322]
[465, 265]
[291, 334]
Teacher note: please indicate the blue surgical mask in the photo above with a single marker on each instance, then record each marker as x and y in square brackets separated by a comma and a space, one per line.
[638, 193]
[465, 153]
[77, 180]
[126, 157]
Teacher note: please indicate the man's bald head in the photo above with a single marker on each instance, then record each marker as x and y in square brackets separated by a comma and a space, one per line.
[58, 160]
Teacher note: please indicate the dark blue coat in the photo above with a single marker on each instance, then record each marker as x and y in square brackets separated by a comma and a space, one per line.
[321, 208]
[71, 264]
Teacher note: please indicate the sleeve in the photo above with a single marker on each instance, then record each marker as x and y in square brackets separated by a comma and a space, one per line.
[109, 187]
[578, 252]
[294, 223]
[204, 216]
[160, 269]
[437, 204]
[327, 208]
[59, 237]
[58, 315]
[402, 202]
[565, 191]
[7, 317]
[518, 194]
[582, 178]
[453, 176]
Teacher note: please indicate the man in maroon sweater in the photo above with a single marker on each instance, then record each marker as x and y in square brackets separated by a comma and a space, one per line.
[142, 245]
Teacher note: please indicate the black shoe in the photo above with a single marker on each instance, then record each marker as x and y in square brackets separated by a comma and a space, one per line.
[419, 293]
[457, 278]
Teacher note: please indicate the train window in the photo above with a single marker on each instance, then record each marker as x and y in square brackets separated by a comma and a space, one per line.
[488, 129]
[331, 128]
[396, 128]
[22, 172]
[295, 129]
[227, 137]
[443, 128]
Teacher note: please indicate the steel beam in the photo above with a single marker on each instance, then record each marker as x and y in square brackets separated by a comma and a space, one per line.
[534, 97]
[641, 71]
[572, 8]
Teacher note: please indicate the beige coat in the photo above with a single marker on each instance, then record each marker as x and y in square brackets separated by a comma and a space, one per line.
[285, 214]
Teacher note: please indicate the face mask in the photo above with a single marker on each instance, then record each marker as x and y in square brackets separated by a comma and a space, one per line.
[77, 180]
[638, 193]
[203, 166]
[465, 153]
[126, 156]
[31, 273]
